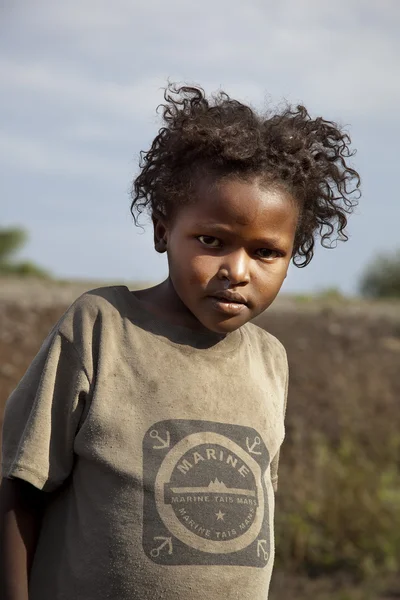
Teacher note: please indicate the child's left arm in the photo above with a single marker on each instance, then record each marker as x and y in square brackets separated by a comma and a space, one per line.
[41, 419]
[21, 509]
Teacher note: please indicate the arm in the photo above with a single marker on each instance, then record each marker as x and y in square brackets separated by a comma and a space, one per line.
[41, 419]
[21, 509]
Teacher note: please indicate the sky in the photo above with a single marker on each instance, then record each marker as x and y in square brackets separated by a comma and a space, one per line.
[80, 82]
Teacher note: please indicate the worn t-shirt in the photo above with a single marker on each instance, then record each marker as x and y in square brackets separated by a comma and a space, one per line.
[159, 446]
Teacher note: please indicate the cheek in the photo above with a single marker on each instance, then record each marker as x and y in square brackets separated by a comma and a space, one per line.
[269, 278]
[202, 269]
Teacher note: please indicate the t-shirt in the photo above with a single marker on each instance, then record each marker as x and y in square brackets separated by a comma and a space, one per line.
[160, 447]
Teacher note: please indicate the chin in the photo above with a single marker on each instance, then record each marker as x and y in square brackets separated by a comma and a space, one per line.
[224, 327]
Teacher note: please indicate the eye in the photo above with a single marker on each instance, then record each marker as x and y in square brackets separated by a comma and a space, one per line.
[209, 240]
[267, 253]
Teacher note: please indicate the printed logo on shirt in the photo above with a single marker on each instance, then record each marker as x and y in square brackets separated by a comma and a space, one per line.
[205, 499]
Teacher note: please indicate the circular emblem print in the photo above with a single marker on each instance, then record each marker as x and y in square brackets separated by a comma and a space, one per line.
[209, 495]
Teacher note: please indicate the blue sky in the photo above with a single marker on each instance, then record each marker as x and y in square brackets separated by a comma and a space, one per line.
[80, 81]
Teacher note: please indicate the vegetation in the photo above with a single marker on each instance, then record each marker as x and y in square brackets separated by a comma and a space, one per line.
[345, 515]
[381, 278]
[11, 240]
[338, 502]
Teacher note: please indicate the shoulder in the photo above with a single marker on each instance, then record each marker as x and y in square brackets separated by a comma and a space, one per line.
[95, 309]
[103, 299]
[267, 344]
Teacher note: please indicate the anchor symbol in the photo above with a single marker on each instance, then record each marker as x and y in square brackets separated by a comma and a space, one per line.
[256, 442]
[261, 549]
[163, 443]
[155, 552]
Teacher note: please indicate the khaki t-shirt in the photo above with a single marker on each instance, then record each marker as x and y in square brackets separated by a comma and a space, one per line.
[160, 446]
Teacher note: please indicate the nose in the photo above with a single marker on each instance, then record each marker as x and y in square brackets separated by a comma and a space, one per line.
[235, 267]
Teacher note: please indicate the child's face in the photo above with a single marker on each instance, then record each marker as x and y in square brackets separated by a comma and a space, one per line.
[228, 252]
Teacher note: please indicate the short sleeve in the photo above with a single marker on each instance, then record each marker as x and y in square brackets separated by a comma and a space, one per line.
[42, 416]
[275, 461]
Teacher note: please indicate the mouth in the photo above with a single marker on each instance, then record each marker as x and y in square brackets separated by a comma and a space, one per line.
[227, 302]
[230, 297]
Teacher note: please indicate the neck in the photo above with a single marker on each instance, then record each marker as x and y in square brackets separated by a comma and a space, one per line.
[163, 301]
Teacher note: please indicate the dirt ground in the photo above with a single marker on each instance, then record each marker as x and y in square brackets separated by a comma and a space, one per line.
[336, 351]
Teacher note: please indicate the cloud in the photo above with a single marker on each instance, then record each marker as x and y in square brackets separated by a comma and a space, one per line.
[73, 87]
[83, 131]
[27, 154]
[340, 56]
[340, 59]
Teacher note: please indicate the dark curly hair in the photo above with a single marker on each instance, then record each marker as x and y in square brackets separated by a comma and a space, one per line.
[221, 136]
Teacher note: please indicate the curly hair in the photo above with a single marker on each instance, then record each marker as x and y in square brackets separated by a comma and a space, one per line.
[224, 137]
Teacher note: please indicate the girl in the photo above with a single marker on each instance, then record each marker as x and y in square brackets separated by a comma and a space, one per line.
[140, 449]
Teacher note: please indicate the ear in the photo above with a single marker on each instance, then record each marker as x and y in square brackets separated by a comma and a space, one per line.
[160, 233]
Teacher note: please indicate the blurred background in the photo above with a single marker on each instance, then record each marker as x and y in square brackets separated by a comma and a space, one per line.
[79, 85]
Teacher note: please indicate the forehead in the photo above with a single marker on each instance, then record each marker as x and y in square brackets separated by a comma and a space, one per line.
[243, 204]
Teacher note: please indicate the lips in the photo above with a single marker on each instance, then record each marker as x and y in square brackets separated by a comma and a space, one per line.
[230, 297]
[228, 303]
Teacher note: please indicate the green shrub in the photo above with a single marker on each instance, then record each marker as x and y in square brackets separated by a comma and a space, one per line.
[24, 269]
[381, 278]
[330, 294]
[340, 512]
[11, 240]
